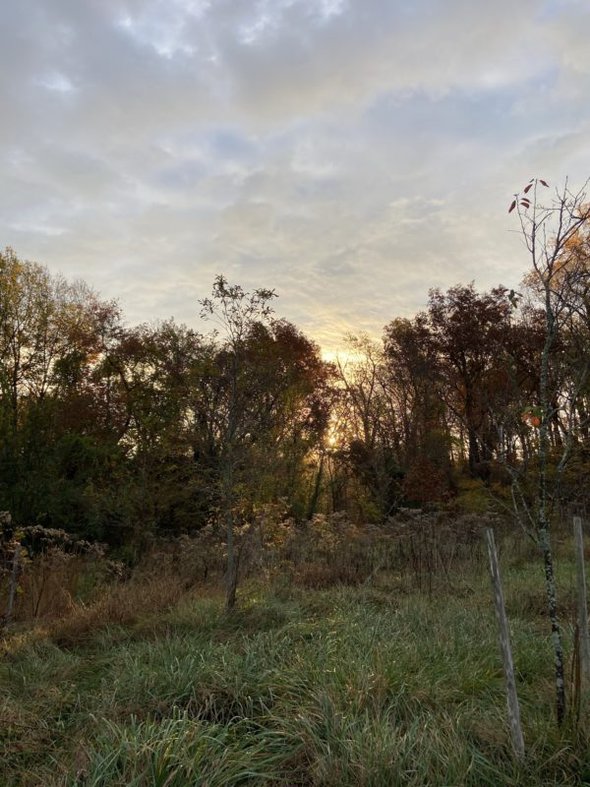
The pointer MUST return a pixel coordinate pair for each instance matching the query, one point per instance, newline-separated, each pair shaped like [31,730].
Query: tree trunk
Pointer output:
[473,443]
[542,514]
[231,572]
[13,585]
[231,578]
[313,503]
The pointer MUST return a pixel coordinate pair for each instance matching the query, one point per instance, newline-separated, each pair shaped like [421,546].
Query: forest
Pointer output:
[124,434]
[228,484]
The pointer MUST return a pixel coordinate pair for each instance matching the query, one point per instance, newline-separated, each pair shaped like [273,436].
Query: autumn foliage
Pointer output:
[118,434]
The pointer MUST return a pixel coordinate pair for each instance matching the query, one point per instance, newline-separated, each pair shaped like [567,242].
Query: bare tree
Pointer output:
[560,279]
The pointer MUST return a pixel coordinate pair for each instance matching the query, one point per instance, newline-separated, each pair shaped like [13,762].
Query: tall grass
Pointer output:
[347,686]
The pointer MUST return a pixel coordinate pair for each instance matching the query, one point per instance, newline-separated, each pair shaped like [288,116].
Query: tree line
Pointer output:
[119,434]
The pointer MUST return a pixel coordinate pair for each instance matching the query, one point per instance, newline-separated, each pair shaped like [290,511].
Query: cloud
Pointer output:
[350,153]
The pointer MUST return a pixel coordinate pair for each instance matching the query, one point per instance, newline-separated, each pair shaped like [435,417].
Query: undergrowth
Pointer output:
[347,686]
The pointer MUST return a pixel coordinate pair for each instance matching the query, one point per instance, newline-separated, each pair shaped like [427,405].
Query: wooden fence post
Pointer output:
[584,641]
[511,695]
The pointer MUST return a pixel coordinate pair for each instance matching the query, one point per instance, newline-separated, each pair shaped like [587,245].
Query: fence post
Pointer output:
[511,695]
[584,641]
[12,586]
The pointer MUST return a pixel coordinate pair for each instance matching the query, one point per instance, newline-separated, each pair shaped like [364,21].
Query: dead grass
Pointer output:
[124,604]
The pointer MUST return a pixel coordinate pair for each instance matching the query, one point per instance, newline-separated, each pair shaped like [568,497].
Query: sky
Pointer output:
[350,154]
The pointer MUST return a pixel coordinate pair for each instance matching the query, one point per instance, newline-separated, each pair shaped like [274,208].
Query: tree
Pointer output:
[413,384]
[153,369]
[52,337]
[291,397]
[236,312]
[469,331]
[368,429]
[560,280]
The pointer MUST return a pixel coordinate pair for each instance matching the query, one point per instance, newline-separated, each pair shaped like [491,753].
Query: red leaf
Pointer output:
[544,182]
[528,188]
[511,208]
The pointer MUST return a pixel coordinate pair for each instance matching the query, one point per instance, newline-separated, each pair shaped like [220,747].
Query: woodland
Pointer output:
[226,560]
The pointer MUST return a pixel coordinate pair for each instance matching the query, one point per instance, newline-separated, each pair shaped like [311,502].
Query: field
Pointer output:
[377,684]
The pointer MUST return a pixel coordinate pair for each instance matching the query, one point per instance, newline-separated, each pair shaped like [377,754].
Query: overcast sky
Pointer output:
[349,153]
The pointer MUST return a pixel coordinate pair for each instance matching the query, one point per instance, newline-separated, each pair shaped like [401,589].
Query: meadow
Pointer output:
[380,682]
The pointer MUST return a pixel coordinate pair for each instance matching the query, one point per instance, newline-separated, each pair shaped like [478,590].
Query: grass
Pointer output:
[347,686]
